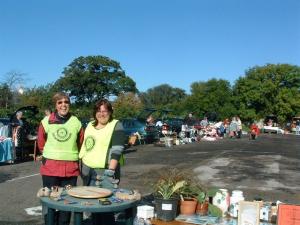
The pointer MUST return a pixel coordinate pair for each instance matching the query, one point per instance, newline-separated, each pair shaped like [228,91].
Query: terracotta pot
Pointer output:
[188,206]
[202,208]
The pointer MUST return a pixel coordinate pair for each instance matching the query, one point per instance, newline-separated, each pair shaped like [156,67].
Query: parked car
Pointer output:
[175,124]
[149,133]
[4,121]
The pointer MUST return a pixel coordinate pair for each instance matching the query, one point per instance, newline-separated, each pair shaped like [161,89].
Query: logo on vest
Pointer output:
[89,143]
[61,135]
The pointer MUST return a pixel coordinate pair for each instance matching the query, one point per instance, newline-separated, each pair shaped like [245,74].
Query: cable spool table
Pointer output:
[79,205]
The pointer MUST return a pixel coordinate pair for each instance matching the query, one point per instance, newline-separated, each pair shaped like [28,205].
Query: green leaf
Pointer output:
[214,210]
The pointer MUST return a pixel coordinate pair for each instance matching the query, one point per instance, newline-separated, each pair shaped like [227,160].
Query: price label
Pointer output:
[166,207]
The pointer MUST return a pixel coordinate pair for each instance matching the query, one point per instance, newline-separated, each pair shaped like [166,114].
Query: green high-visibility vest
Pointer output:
[61,141]
[94,151]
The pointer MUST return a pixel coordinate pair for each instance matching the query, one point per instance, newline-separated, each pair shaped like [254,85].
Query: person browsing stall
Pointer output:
[60,136]
[254,131]
[18,134]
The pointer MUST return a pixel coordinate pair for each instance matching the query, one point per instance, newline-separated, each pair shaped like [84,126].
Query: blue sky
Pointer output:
[177,42]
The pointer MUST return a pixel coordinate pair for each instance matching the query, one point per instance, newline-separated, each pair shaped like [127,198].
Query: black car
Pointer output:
[175,124]
[4,121]
[148,133]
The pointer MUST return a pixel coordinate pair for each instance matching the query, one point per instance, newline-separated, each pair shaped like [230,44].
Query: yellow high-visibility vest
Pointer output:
[94,151]
[61,141]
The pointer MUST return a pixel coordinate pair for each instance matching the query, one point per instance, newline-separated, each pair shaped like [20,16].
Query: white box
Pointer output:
[145,211]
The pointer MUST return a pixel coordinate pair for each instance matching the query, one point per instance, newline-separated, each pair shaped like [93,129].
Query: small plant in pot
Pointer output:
[166,194]
[195,191]
[188,198]
[202,206]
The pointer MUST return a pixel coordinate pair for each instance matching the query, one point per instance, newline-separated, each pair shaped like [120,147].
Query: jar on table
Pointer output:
[235,198]
[273,212]
[221,200]
[265,212]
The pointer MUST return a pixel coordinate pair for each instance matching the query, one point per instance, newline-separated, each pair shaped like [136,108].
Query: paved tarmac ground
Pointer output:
[268,167]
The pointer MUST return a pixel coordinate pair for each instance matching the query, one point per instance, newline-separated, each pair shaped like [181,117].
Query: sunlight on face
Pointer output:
[62,106]
[103,115]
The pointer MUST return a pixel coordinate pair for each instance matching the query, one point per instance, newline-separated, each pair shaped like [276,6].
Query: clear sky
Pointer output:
[177,42]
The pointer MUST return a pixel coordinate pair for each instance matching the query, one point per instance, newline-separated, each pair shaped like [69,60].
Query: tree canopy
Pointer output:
[127,105]
[263,90]
[271,89]
[90,78]
[213,96]
[162,96]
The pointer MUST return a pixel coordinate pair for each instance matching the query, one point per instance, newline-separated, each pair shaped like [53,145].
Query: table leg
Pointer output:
[34,151]
[129,216]
[78,217]
[50,216]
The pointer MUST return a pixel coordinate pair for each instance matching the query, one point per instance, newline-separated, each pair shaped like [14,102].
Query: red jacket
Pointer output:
[254,129]
[59,168]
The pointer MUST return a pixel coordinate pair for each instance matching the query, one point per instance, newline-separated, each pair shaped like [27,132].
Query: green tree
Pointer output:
[12,87]
[213,96]
[127,105]
[6,96]
[39,96]
[15,80]
[162,96]
[90,78]
[270,89]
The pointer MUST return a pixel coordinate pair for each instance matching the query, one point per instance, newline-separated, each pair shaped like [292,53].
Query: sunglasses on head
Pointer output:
[61,102]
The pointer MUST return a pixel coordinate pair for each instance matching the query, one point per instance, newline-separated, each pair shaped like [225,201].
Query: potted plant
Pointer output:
[188,200]
[166,194]
[202,205]
[195,191]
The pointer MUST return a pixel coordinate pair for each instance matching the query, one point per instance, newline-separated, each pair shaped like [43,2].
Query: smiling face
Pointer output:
[62,106]
[103,115]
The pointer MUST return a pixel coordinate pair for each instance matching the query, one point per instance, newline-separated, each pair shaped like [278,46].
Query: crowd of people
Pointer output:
[213,131]
[195,130]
